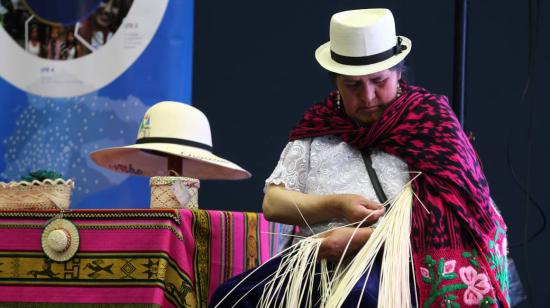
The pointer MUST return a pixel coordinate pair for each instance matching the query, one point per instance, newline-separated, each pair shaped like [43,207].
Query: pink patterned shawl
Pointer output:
[459,247]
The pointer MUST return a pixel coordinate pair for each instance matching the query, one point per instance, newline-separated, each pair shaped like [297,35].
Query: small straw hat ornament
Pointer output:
[362,42]
[171,128]
[60,239]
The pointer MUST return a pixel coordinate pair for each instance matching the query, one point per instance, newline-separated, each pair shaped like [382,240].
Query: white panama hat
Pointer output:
[171,128]
[362,42]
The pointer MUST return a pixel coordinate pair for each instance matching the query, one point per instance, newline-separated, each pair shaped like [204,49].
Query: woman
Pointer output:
[33,45]
[69,48]
[457,236]
[55,44]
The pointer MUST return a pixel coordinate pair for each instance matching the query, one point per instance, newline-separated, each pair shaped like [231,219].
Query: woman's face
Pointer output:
[366,97]
[107,13]
[54,34]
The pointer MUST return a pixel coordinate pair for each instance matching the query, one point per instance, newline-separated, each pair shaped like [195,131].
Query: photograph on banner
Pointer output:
[64,56]
[53,40]
[78,92]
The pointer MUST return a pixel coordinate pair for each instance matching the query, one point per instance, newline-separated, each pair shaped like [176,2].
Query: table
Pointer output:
[137,258]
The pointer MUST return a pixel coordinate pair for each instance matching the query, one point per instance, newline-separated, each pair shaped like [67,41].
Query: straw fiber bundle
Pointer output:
[292,285]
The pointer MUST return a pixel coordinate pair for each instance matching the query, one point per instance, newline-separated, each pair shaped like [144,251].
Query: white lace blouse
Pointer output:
[327,165]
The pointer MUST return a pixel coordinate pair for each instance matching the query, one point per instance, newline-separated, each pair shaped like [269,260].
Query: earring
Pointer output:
[338,100]
[399,91]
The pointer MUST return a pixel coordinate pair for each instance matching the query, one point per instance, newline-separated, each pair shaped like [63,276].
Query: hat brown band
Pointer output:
[175,141]
[366,60]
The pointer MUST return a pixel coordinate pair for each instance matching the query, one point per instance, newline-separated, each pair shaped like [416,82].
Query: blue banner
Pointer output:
[80,79]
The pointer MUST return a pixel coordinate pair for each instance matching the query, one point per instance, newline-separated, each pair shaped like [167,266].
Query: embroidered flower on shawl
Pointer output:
[478,285]
[449,267]
[424,272]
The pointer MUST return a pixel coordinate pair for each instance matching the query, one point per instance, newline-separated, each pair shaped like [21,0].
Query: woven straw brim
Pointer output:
[197,163]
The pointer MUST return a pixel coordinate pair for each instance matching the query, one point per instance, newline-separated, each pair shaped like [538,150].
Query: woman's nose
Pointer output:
[367,94]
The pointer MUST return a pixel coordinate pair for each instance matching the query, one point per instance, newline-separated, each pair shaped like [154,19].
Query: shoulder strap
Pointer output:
[373,177]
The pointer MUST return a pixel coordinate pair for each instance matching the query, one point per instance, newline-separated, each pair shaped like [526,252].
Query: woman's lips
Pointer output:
[369,109]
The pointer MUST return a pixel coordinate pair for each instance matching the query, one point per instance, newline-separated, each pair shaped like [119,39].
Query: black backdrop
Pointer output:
[255,74]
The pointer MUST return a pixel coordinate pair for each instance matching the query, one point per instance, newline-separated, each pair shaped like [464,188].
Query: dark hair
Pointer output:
[401,66]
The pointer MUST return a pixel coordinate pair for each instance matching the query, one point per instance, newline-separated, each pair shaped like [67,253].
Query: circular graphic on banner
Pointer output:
[78,50]
[72,12]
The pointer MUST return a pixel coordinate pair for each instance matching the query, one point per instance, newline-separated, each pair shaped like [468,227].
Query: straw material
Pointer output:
[293,282]
[174,192]
[60,239]
[393,234]
[36,195]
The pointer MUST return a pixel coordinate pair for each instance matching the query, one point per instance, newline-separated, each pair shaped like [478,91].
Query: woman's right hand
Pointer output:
[355,208]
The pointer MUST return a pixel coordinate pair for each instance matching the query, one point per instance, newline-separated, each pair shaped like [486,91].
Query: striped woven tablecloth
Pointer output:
[138,258]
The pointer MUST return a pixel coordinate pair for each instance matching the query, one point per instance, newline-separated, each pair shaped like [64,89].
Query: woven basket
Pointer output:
[36,195]
[165,188]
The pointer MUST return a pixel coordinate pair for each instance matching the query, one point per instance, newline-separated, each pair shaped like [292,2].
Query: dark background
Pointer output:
[255,74]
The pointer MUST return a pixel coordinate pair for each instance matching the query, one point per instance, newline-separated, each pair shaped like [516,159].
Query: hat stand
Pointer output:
[175,164]
[173,190]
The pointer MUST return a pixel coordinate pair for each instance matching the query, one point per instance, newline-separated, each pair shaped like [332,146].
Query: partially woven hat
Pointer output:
[60,239]
[36,195]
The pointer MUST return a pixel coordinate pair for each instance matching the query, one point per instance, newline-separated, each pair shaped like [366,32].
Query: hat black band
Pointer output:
[174,141]
[366,60]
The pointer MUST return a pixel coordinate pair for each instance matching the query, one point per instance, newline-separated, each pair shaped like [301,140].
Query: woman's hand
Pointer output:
[335,242]
[355,208]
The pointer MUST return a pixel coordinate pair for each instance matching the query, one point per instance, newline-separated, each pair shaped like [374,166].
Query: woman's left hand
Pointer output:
[335,241]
